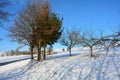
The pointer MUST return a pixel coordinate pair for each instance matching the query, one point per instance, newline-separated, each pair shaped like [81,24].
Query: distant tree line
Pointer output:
[15,52]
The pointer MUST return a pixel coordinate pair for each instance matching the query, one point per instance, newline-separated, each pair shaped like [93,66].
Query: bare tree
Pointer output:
[70,38]
[3,14]
[117,36]
[88,39]
[111,41]
[23,30]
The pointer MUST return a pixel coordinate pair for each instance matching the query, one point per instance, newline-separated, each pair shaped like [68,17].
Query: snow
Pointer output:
[61,66]
[13,58]
[1,52]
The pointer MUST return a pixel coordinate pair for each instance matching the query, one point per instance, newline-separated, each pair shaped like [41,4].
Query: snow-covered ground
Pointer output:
[13,58]
[63,67]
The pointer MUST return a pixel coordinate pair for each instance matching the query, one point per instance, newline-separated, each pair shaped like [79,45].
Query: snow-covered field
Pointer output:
[13,58]
[63,67]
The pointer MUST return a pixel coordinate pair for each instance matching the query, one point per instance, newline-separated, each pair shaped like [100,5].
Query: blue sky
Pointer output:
[86,14]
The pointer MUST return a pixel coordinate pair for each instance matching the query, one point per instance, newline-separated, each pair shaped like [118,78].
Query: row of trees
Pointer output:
[36,26]
[75,37]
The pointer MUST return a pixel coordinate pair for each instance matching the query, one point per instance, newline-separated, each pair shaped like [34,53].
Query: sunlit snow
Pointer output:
[61,66]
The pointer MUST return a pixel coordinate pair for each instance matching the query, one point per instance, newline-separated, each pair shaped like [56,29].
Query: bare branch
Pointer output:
[70,38]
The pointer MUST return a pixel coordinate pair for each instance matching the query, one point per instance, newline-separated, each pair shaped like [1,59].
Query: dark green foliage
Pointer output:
[36,26]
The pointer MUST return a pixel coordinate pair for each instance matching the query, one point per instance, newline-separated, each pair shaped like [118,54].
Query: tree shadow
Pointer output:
[97,66]
[81,71]
[87,77]
[116,65]
[13,73]
[101,63]
[60,55]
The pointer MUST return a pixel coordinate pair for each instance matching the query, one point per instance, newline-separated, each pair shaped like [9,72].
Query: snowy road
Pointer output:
[8,62]
[12,59]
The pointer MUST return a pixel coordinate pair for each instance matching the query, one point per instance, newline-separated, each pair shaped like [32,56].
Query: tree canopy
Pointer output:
[37,26]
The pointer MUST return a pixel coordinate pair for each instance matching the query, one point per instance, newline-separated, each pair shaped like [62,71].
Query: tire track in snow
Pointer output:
[69,70]
[63,69]
[56,69]
[20,72]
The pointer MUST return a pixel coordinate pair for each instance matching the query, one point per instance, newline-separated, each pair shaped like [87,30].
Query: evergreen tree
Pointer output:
[36,26]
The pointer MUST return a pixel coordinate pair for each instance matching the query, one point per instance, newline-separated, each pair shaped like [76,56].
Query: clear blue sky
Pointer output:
[93,14]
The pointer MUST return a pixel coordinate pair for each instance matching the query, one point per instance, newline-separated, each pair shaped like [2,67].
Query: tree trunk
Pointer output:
[70,52]
[44,57]
[39,51]
[31,52]
[50,50]
[91,51]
